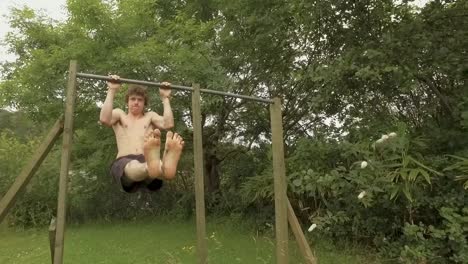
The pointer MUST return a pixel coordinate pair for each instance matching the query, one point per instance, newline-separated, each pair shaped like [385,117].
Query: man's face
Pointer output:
[136,104]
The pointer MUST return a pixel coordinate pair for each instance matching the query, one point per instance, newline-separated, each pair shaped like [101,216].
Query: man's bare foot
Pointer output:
[172,152]
[151,149]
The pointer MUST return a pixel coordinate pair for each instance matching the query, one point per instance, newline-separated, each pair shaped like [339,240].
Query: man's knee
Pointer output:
[136,170]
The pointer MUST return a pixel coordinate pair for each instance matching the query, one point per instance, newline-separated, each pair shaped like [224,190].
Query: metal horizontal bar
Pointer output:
[123,80]
[258,99]
[177,87]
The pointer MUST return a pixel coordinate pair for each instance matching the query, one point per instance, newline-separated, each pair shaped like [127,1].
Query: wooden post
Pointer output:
[52,229]
[202,251]
[65,163]
[300,237]
[28,171]
[279,173]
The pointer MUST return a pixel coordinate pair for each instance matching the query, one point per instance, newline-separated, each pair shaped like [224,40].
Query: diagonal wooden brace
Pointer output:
[8,200]
[300,237]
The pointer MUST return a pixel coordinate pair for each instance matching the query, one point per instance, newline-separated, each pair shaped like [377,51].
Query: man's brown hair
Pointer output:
[135,89]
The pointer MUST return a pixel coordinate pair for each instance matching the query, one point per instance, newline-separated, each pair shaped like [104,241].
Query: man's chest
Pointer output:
[136,127]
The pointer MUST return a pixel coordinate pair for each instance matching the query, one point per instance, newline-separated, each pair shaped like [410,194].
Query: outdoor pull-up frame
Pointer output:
[283,209]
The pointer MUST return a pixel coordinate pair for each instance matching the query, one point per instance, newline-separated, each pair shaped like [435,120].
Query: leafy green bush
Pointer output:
[444,243]
[382,193]
[38,204]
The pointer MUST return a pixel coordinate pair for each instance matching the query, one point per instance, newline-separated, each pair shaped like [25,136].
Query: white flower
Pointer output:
[361,195]
[312,227]
[393,134]
[379,141]
[231,33]
[384,137]
[363,164]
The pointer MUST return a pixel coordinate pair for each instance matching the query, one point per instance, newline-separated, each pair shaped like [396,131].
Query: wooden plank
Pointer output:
[18,186]
[52,229]
[300,237]
[279,174]
[65,162]
[202,250]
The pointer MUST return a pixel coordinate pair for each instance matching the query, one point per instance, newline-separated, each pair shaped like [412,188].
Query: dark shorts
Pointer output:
[118,173]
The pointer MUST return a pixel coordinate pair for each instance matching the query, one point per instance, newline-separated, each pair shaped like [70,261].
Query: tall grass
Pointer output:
[158,242]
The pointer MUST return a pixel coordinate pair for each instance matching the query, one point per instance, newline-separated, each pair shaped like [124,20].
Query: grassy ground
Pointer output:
[158,242]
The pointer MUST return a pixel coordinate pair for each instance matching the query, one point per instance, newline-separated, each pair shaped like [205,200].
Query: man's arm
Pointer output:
[166,121]
[108,115]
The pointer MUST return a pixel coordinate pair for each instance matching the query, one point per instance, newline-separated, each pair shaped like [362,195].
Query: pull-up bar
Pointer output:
[178,87]
[283,209]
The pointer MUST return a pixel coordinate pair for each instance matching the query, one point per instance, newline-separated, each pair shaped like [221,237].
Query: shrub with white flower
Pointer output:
[361,195]
[312,227]
[386,137]
[363,164]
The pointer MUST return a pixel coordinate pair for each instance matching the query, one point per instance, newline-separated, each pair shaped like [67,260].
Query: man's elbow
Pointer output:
[168,125]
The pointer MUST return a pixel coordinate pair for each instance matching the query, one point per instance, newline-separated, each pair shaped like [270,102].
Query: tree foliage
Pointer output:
[347,72]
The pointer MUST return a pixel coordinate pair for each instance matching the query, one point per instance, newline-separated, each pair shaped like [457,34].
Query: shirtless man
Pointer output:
[138,164]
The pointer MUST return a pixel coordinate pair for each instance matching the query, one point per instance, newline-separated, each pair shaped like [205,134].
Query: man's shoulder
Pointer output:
[118,110]
[151,114]
[120,117]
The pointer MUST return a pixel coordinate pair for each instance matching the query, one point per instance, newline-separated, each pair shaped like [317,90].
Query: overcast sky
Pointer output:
[54,9]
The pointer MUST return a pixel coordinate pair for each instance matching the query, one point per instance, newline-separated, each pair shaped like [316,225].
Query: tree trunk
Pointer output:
[212,177]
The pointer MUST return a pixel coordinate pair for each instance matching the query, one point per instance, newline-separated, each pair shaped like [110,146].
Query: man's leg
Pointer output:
[135,174]
[172,153]
[151,150]
[136,171]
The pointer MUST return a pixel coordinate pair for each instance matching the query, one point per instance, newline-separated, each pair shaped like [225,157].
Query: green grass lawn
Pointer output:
[158,242]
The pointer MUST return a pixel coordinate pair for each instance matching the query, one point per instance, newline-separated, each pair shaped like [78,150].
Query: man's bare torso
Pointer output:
[130,133]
